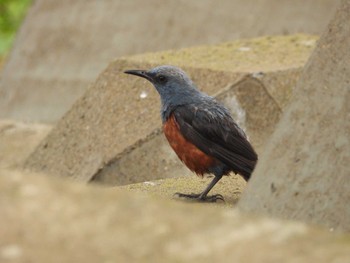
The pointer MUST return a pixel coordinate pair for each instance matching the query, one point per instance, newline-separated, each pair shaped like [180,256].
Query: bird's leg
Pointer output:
[203,196]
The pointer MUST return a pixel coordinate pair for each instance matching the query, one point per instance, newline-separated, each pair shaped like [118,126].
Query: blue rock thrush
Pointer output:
[199,129]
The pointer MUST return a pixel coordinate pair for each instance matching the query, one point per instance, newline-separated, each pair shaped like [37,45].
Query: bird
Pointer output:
[199,129]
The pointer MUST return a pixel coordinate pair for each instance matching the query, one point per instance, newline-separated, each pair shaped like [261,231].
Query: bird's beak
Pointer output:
[140,73]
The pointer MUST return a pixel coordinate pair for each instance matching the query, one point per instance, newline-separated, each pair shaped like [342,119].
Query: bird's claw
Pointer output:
[201,198]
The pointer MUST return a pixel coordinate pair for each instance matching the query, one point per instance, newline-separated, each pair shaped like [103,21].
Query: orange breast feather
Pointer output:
[196,160]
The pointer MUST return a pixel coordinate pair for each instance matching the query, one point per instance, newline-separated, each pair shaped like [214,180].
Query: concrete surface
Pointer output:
[18,140]
[45,219]
[64,45]
[304,171]
[230,187]
[112,118]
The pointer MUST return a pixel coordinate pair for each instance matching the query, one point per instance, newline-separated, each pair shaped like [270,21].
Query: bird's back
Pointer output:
[209,126]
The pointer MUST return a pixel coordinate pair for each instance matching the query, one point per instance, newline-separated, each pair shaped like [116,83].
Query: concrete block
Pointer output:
[64,45]
[303,172]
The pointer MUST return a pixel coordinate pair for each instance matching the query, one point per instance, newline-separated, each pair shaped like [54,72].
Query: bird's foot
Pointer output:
[201,197]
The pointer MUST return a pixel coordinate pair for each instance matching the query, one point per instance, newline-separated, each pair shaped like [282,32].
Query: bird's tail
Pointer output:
[238,163]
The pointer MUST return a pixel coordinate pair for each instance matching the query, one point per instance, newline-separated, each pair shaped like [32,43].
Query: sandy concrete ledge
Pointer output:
[45,219]
[230,187]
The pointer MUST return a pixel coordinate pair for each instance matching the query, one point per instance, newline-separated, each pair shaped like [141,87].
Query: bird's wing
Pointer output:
[215,133]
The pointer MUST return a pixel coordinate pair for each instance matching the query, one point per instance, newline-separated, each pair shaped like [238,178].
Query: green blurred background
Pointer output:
[12,13]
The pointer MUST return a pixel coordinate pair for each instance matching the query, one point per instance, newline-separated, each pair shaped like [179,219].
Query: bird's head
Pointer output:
[172,83]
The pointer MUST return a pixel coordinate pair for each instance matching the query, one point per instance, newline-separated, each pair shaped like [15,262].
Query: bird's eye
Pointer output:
[162,78]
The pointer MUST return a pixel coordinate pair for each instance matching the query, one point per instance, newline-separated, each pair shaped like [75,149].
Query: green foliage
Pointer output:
[11,15]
